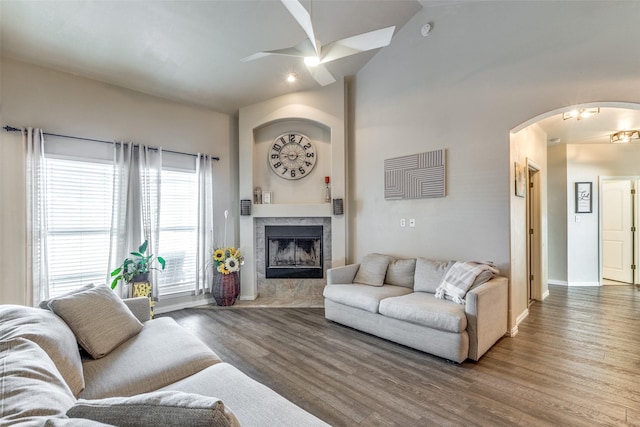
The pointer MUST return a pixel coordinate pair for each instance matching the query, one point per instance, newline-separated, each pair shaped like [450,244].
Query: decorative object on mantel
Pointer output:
[327,189]
[245,207]
[416,176]
[338,207]
[257,196]
[226,283]
[267,197]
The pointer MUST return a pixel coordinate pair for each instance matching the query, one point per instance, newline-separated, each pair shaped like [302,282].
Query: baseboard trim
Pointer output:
[514,331]
[584,284]
[558,282]
[545,295]
[179,306]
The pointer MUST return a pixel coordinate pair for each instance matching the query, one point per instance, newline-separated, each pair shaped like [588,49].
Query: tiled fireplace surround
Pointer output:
[290,291]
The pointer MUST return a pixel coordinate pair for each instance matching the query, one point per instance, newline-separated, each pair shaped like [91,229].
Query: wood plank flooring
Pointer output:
[574,362]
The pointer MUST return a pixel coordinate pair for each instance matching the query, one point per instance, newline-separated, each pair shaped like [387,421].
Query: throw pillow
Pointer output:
[429,274]
[32,389]
[373,269]
[165,408]
[98,318]
[45,304]
[401,272]
[51,334]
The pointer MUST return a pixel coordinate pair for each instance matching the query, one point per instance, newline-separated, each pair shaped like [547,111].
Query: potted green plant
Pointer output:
[136,268]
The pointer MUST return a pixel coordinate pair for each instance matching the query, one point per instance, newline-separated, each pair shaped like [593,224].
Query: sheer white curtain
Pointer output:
[149,162]
[121,240]
[136,204]
[36,197]
[204,262]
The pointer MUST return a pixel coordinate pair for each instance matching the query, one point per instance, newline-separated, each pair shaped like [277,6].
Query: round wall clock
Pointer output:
[292,155]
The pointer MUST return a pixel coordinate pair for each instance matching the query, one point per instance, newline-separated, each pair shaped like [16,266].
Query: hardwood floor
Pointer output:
[575,361]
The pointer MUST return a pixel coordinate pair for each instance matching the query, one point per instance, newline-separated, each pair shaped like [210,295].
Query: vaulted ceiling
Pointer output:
[189,51]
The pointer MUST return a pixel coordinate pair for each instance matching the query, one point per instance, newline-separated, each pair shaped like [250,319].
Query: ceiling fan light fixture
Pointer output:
[311,61]
[580,114]
[625,136]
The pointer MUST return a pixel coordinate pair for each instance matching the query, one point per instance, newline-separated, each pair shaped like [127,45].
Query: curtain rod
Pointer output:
[14,129]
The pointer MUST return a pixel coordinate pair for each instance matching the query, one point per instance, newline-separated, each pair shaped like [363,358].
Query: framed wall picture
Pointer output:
[584,201]
[521,180]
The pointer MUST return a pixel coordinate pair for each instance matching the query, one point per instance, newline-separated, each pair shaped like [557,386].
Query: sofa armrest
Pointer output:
[487,310]
[342,275]
[140,307]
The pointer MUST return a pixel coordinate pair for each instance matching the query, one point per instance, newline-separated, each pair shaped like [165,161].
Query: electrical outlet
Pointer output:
[402,222]
[412,222]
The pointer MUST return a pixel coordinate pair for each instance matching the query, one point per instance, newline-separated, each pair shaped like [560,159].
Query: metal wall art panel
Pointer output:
[417,176]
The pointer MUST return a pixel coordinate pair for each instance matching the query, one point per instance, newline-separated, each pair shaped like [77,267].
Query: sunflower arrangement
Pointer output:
[228,260]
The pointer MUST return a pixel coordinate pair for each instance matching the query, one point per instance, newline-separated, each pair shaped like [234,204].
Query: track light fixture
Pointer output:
[625,136]
[580,114]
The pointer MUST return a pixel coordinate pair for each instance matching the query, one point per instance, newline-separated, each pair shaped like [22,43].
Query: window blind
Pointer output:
[178,231]
[79,198]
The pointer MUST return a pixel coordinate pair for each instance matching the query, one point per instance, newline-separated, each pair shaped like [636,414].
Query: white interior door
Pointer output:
[617,237]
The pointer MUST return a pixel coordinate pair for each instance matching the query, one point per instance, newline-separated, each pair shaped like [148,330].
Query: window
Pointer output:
[79,197]
[79,200]
[177,242]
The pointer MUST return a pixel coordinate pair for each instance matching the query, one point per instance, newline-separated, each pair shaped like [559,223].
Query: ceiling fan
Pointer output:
[315,55]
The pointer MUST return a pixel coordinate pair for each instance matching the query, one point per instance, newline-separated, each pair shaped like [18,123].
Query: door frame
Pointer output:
[635,203]
[534,240]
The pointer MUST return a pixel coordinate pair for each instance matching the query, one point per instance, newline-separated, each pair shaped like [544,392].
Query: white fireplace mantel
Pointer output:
[291,210]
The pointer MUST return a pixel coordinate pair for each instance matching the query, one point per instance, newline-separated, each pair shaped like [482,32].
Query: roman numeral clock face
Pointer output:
[292,156]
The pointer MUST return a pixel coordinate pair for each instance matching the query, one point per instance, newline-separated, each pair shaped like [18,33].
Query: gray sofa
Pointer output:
[396,299]
[131,370]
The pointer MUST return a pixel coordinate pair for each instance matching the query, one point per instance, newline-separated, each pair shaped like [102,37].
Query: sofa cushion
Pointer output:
[429,274]
[401,272]
[425,309]
[98,318]
[253,403]
[50,333]
[160,408]
[31,387]
[373,269]
[363,297]
[162,353]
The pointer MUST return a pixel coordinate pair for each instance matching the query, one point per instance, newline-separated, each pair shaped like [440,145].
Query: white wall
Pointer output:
[588,163]
[486,68]
[558,213]
[66,104]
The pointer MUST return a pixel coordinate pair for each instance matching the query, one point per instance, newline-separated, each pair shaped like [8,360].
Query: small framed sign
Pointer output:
[584,201]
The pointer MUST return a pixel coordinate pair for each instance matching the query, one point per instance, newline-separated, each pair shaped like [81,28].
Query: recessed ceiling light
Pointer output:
[291,77]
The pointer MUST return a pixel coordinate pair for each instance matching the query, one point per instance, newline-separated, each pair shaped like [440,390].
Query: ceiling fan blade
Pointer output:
[302,50]
[356,44]
[303,17]
[321,75]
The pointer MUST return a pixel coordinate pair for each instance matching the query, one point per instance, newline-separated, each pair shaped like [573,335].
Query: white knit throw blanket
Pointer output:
[457,281]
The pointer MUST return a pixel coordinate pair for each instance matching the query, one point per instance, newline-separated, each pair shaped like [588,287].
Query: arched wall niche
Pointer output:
[308,189]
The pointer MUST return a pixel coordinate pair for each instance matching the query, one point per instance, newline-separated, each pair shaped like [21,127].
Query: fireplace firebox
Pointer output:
[293,251]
